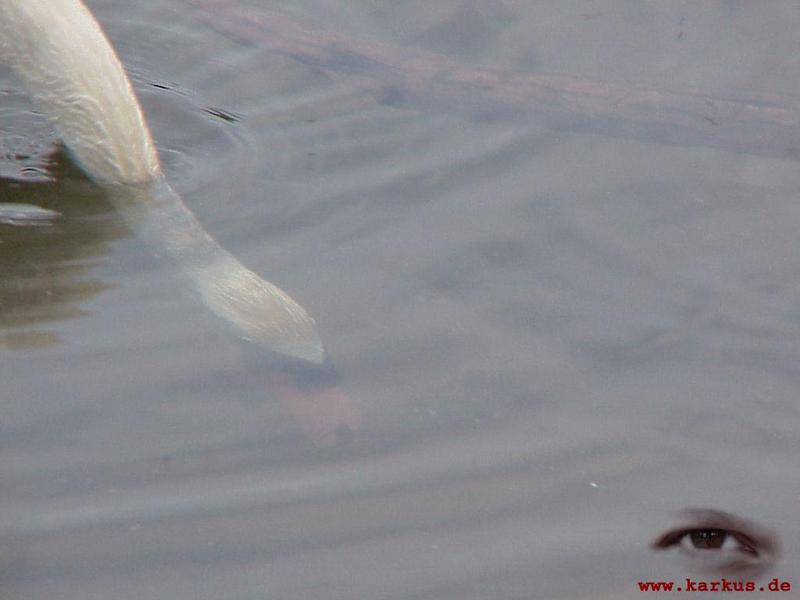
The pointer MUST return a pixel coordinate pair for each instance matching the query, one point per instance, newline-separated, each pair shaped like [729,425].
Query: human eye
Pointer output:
[716,541]
[709,538]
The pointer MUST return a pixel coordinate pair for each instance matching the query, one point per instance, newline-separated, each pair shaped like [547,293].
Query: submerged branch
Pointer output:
[761,125]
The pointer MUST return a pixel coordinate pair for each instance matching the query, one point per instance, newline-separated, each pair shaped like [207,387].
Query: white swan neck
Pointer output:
[59,52]
[63,58]
[259,310]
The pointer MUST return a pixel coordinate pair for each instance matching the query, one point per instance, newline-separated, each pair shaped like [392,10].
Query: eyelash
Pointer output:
[696,536]
[731,543]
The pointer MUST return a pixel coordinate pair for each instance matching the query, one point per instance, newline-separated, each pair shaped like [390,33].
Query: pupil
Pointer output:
[707,538]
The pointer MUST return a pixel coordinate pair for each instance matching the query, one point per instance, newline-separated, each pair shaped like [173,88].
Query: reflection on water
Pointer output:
[559,339]
[46,271]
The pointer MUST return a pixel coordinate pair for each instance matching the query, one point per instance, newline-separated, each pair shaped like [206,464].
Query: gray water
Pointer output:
[558,338]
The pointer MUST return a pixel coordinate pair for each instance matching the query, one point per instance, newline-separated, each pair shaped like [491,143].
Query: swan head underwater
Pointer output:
[67,65]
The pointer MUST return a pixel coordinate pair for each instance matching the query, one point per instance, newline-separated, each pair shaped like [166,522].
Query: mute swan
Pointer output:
[58,51]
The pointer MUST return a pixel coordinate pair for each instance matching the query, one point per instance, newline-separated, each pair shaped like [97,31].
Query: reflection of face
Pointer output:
[719,542]
[609,475]
[731,460]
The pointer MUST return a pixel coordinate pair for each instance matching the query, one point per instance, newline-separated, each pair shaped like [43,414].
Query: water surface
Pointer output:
[559,334]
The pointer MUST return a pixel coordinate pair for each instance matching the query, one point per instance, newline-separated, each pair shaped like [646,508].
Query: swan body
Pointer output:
[69,68]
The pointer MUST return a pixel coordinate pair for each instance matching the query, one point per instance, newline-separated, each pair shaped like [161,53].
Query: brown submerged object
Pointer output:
[750,124]
[60,54]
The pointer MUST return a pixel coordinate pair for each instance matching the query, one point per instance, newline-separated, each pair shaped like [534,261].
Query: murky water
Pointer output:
[562,326]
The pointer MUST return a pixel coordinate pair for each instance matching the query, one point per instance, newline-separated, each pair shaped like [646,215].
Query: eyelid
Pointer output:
[758,547]
[674,537]
[701,518]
